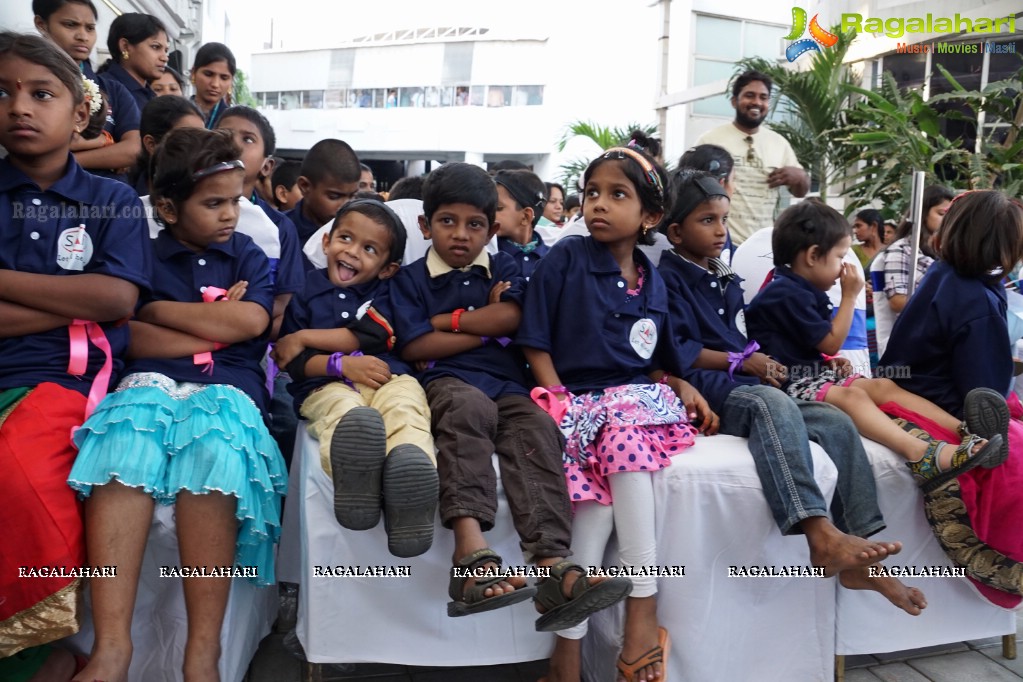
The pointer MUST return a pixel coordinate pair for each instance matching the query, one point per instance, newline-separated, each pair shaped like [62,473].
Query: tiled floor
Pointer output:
[977,661]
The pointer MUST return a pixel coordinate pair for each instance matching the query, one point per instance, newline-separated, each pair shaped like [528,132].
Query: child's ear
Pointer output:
[675,233]
[268,167]
[494,227]
[389,271]
[167,210]
[81,117]
[424,227]
[40,24]
[280,194]
[326,238]
[652,220]
[149,143]
[304,185]
[811,255]
[527,215]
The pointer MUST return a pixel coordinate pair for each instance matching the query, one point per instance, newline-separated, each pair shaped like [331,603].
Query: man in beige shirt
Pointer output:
[764,160]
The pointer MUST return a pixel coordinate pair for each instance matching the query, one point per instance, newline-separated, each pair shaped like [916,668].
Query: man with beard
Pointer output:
[764,160]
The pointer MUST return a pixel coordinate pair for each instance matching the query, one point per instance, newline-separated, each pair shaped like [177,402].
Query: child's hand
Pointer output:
[287,348]
[366,369]
[497,290]
[237,291]
[765,368]
[851,280]
[697,409]
[841,365]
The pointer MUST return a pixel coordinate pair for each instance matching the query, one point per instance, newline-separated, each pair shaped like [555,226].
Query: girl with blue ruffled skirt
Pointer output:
[186,425]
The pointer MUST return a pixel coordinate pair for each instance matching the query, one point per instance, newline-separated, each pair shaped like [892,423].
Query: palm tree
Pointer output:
[602,136]
[812,103]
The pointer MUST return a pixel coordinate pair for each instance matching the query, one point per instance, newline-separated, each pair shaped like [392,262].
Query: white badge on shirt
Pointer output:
[74,248]
[643,338]
[740,322]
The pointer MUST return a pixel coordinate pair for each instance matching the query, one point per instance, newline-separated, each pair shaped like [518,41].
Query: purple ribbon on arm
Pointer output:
[735,360]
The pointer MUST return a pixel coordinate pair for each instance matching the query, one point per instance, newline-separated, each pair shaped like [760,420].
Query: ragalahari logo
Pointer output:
[818,36]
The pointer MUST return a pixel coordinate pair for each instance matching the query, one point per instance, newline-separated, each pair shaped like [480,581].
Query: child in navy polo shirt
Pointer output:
[792,319]
[953,339]
[369,414]
[708,328]
[454,309]
[73,257]
[596,333]
[521,198]
[329,180]
[186,424]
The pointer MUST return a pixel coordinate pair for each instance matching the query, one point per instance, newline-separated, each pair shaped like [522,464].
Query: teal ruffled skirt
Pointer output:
[164,436]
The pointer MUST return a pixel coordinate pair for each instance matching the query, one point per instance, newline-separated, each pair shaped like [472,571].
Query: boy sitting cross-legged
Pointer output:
[454,310]
[369,414]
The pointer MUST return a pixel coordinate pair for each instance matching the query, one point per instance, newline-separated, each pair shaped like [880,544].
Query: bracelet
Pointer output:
[735,360]
[335,367]
[456,318]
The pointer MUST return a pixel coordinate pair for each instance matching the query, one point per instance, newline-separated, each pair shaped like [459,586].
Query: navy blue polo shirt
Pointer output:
[124,113]
[953,337]
[416,297]
[82,224]
[321,305]
[179,274]
[305,229]
[578,310]
[214,116]
[288,272]
[141,93]
[527,261]
[789,318]
[705,312]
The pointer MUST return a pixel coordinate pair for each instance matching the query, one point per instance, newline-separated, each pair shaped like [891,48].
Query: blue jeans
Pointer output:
[779,430]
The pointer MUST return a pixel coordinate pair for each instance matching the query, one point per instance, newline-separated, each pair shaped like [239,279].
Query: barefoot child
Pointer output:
[792,319]
[594,328]
[706,306]
[73,256]
[363,405]
[454,310]
[186,424]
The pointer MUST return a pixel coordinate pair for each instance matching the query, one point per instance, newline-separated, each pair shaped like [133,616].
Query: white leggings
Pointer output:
[632,514]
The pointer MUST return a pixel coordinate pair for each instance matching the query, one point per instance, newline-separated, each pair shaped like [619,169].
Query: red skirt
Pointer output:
[41,517]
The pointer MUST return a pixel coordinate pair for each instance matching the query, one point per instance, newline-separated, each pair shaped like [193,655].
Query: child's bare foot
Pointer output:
[565,663]
[909,599]
[837,551]
[109,662]
[202,663]
[642,636]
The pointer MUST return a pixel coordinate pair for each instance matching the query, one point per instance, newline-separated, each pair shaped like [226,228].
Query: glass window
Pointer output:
[432,96]
[411,97]
[461,96]
[965,68]
[334,99]
[717,37]
[1004,65]
[704,72]
[499,96]
[447,97]
[312,99]
[361,98]
[527,95]
[476,95]
[379,98]
[457,63]
[271,100]
[764,41]
[291,99]
[906,68]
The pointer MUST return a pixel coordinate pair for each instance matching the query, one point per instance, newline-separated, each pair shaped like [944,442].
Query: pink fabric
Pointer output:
[80,333]
[210,294]
[992,496]
[823,392]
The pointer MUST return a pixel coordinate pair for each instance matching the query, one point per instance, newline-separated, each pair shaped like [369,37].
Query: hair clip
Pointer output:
[635,145]
[652,176]
[713,165]
[217,168]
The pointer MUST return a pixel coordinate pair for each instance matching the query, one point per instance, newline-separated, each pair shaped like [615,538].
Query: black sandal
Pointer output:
[987,415]
[561,612]
[467,601]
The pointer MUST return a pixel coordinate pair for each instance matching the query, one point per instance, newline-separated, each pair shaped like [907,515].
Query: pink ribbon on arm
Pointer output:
[549,403]
[210,295]
[80,332]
